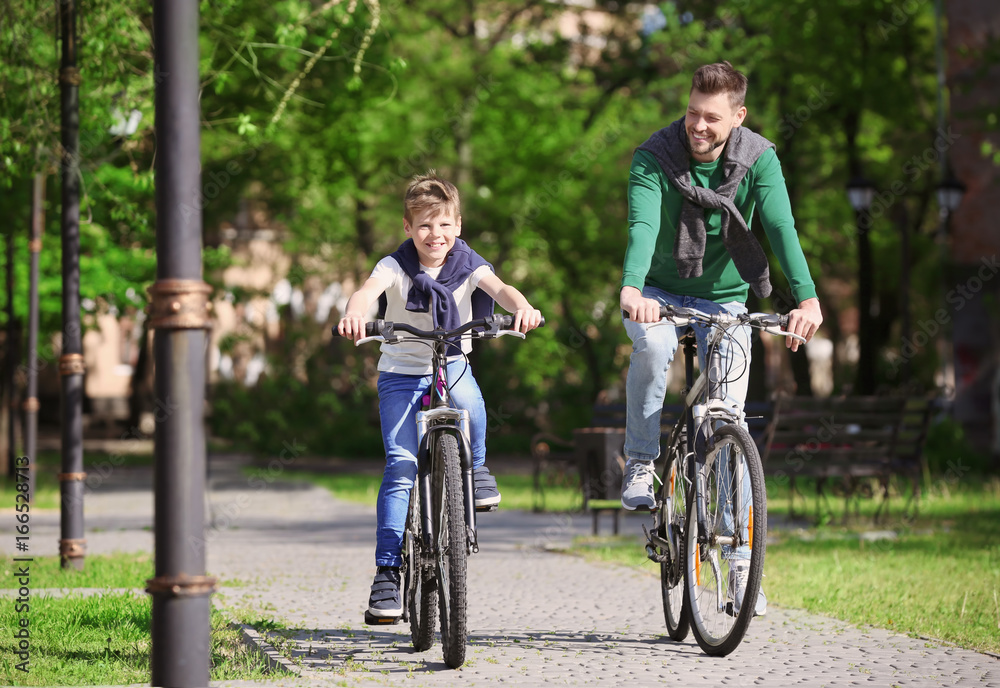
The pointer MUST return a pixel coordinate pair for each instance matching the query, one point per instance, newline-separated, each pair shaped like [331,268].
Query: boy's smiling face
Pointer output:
[433,232]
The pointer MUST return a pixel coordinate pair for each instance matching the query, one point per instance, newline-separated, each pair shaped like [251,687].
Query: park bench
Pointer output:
[848,444]
[596,454]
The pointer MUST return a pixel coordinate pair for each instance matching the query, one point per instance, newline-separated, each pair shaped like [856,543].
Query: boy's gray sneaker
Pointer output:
[637,485]
[739,574]
[486,490]
[385,600]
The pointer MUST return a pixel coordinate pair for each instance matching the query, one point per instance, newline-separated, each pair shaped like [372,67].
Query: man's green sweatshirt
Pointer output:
[654,212]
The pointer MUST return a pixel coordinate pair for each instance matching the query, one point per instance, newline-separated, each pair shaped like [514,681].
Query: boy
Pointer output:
[433,280]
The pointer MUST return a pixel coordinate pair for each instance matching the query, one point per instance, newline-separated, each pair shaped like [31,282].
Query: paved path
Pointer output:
[535,616]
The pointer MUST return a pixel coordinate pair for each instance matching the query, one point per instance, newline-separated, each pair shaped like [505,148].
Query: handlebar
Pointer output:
[772,323]
[493,326]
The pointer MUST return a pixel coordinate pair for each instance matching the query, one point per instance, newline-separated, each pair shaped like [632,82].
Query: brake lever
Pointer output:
[775,330]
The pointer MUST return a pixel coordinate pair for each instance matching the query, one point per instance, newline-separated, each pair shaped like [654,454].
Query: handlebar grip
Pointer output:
[371,329]
[507,321]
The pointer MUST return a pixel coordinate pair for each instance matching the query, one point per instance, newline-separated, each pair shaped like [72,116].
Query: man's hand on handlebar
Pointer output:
[639,308]
[803,321]
[352,327]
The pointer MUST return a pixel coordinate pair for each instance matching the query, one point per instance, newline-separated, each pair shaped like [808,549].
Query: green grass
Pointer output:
[939,577]
[517,490]
[104,640]
[98,639]
[47,467]
[99,571]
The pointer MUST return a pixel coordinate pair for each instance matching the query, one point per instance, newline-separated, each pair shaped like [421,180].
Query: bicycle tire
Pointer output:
[419,579]
[718,627]
[672,515]
[452,549]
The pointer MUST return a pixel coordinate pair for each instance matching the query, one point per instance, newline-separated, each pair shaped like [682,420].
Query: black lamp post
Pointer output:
[860,194]
[949,196]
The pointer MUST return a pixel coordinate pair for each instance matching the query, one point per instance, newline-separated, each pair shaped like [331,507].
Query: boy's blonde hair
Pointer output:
[430,192]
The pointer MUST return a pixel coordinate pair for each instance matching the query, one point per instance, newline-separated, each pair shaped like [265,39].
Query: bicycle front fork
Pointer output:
[431,422]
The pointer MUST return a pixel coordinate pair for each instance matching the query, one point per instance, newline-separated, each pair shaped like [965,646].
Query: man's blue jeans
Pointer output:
[653,349]
[399,399]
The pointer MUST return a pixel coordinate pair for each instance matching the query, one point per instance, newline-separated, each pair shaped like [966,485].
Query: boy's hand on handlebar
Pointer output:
[352,327]
[526,319]
[803,321]
[639,308]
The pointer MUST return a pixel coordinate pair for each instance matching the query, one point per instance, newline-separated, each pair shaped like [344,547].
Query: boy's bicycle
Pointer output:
[440,528]
[711,504]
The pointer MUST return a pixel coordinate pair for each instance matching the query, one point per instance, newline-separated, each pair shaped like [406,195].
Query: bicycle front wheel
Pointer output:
[726,524]
[419,579]
[671,516]
[452,549]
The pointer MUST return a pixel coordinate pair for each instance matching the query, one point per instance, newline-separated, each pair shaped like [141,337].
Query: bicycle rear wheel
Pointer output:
[419,579]
[452,549]
[734,527]
[671,516]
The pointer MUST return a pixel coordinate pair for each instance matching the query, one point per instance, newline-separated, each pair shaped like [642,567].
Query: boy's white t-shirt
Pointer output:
[414,358]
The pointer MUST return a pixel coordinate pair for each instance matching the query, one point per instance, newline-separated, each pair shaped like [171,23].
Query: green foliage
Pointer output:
[315,116]
[281,411]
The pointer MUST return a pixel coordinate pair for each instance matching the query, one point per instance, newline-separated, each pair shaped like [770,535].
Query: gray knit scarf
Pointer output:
[670,148]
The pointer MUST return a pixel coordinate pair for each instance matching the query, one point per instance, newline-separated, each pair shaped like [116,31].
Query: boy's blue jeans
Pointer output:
[399,398]
[653,350]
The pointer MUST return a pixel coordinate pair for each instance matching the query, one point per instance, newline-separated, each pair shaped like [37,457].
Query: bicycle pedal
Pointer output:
[486,509]
[372,620]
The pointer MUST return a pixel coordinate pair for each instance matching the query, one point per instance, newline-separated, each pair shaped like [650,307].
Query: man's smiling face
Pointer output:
[709,121]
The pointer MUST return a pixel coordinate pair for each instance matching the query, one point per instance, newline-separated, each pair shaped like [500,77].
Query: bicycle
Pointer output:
[711,499]
[440,531]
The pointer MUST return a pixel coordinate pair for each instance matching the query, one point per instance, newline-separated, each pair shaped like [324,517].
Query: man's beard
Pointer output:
[714,146]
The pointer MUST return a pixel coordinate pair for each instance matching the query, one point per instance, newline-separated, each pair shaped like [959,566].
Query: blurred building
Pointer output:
[973,294]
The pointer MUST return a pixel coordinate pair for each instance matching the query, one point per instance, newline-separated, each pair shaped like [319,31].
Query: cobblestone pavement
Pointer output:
[292,552]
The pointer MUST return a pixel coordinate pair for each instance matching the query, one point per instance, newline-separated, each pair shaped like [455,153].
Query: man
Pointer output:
[693,189]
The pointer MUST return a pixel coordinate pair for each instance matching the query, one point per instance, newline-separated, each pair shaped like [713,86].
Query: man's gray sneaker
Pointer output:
[637,485]
[739,574]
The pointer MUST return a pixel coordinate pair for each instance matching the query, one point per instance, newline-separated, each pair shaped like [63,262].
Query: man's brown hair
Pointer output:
[428,191]
[721,77]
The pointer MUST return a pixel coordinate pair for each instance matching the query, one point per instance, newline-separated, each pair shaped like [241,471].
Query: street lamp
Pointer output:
[949,196]
[860,193]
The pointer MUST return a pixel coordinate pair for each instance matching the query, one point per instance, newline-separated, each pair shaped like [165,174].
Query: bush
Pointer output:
[948,451]
[283,409]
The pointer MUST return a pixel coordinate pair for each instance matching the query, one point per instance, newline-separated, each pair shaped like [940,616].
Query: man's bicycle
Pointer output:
[440,530]
[711,507]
